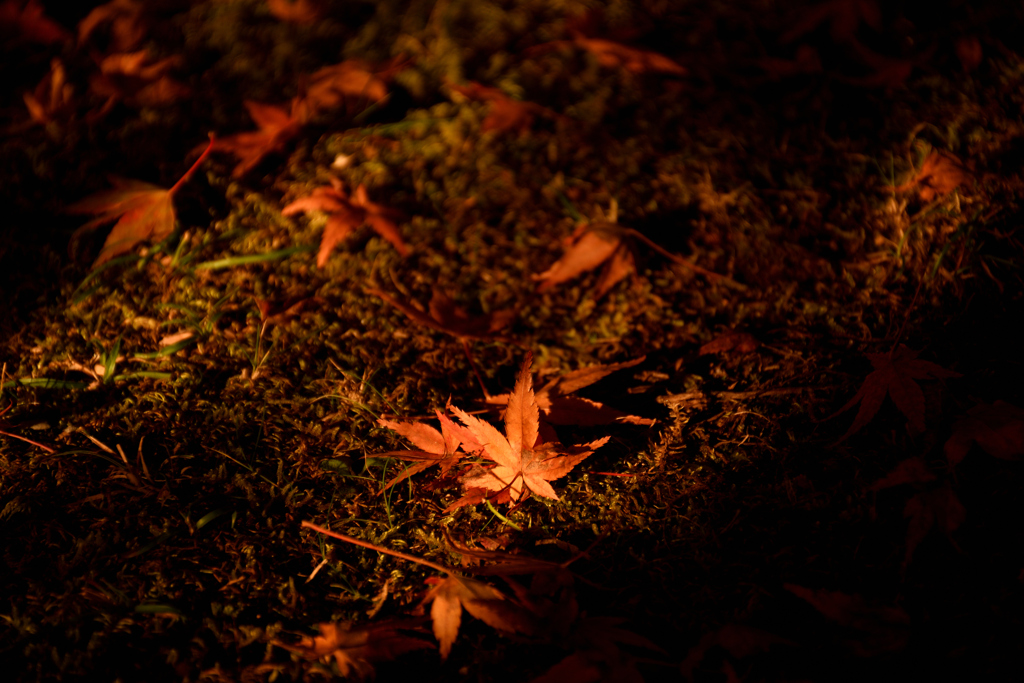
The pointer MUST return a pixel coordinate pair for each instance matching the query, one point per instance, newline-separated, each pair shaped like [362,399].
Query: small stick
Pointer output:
[379,549]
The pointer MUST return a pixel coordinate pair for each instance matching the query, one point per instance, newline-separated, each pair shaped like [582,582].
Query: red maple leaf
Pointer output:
[142,211]
[998,428]
[345,214]
[894,374]
[276,127]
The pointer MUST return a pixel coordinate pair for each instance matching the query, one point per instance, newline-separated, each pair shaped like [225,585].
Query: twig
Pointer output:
[686,263]
[379,549]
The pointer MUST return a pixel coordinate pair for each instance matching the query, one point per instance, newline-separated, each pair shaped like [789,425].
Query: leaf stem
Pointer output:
[502,517]
[188,174]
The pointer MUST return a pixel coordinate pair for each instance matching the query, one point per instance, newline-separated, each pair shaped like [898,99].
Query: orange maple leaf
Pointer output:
[522,465]
[591,245]
[345,214]
[454,593]
[894,374]
[940,174]
[356,648]
[276,127]
[559,407]
[434,447]
[142,211]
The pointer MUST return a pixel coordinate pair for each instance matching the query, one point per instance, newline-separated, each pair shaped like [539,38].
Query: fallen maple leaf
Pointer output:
[910,471]
[138,81]
[51,99]
[444,316]
[345,214]
[127,24]
[276,127]
[454,593]
[997,428]
[591,245]
[356,648]
[940,174]
[297,11]
[939,508]
[843,18]
[142,211]
[560,408]
[894,373]
[736,342]
[348,83]
[434,447]
[505,114]
[451,595]
[27,22]
[739,640]
[522,465]
[879,629]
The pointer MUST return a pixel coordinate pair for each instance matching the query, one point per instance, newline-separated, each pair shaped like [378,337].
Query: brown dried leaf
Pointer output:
[940,174]
[590,246]
[894,374]
[730,341]
[276,127]
[355,649]
[445,316]
[997,428]
[142,211]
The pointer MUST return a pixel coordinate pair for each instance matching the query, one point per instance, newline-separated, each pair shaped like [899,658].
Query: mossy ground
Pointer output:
[160,539]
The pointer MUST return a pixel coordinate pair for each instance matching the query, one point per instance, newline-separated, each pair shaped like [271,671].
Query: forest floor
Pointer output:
[774,250]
